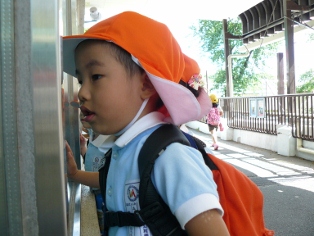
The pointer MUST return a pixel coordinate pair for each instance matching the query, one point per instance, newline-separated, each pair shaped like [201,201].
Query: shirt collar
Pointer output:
[146,122]
[100,140]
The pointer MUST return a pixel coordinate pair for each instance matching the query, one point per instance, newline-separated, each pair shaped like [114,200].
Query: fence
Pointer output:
[265,114]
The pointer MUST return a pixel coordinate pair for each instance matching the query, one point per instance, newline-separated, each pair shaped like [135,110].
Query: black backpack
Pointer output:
[243,214]
[154,212]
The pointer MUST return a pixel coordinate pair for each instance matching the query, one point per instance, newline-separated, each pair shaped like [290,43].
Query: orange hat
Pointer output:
[152,47]
[191,68]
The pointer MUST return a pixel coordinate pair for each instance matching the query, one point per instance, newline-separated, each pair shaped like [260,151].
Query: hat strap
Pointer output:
[134,119]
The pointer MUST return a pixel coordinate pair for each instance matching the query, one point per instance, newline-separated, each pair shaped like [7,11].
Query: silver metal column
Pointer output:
[10,192]
[72,11]
[32,171]
[49,144]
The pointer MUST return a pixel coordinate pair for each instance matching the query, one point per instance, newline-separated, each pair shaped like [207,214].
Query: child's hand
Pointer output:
[88,178]
[83,143]
[83,140]
[71,164]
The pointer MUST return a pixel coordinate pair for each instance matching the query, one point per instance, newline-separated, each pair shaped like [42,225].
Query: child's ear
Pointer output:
[148,88]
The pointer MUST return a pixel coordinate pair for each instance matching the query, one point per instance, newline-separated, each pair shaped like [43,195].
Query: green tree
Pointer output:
[244,70]
[306,82]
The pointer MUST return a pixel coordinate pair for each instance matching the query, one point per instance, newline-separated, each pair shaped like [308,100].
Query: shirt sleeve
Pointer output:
[185,182]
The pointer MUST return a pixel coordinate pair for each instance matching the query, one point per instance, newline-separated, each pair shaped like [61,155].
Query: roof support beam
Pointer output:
[289,38]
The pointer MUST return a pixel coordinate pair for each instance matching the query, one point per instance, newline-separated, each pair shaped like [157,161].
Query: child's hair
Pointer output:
[124,57]
[215,104]
[153,48]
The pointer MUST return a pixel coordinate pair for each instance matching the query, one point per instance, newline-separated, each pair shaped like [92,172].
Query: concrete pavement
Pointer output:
[286,182]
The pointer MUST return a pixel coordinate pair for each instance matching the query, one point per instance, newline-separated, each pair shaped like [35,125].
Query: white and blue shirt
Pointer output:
[180,176]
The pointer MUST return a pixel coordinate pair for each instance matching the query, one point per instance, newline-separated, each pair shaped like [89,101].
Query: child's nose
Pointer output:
[83,93]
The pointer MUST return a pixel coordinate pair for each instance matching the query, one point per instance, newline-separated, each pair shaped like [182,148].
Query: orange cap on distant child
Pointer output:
[153,48]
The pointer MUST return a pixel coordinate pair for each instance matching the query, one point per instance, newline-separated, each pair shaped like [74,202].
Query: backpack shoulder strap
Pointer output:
[155,213]
[156,143]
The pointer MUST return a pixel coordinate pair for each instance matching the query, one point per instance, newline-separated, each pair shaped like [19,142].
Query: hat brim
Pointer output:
[68,53]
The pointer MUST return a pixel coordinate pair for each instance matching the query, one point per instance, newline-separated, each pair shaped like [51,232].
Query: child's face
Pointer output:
[111,96]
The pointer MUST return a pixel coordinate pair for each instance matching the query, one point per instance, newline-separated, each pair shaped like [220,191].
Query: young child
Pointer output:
[93,157]
[129,67]
[213,119]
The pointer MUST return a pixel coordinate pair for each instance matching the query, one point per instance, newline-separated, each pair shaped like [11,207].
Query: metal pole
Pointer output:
[280,74]
[289,38]
[229,87]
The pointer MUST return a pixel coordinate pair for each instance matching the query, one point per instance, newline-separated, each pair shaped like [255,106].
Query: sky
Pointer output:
[165,10]
[180,27]
[304,50]
[190,44]
[184,35]
[178,15]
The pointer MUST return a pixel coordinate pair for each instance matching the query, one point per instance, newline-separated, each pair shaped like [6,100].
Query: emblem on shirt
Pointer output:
[132,193]
[98,162]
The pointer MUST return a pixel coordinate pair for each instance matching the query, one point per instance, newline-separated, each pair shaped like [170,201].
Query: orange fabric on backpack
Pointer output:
[243,210]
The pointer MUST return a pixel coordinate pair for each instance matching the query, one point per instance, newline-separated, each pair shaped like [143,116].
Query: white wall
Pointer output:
[283,143]
[255,139]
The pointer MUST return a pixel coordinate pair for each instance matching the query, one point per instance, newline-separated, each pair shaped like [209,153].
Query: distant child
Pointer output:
[86,133]
[93,155]
[213,119]
[129,67]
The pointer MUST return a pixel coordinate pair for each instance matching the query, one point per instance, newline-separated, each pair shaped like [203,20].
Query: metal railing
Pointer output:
[265,114]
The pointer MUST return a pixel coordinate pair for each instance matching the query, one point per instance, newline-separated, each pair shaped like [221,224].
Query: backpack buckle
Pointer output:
[151,212]
[112,219]
[120,219]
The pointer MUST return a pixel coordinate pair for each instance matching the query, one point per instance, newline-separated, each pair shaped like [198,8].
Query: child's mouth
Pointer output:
[88,115]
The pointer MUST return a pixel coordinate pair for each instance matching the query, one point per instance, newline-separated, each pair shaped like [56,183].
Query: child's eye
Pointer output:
[96,77]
